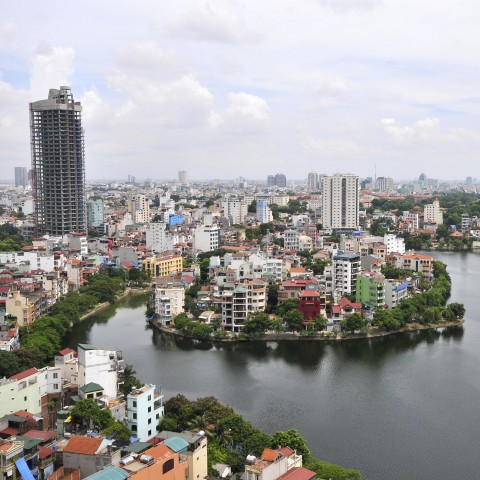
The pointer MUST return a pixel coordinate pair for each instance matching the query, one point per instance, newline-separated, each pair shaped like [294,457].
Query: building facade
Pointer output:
[341,201]
[58,164]
[21,177]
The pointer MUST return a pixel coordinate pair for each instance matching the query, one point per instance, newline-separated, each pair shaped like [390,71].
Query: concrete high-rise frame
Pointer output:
[58,164]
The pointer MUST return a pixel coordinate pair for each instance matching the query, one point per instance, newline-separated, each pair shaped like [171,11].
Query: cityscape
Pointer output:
[239,241]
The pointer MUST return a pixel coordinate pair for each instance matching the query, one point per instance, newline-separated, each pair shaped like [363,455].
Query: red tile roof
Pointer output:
[160,452]
[44,452]
[65,351]
[83,445]
[269,455]
[24,374]
[286,451]
[41,434]
[298,473]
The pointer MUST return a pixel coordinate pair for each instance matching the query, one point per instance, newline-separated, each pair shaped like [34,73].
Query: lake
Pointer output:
[397,407]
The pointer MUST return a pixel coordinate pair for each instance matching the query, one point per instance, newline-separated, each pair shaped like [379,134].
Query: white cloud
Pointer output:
[350,5]
[51,68]
[331,147]
[213,21]
[422,130]
[245,114]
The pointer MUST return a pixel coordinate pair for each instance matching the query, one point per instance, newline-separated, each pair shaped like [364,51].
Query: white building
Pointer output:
[341,201]
[290,239]
[394,244]
[395,292]
[312,182]
[432,213]
[235,210]
[264,214]
[159,239]
[207,235]
[346,267]
[169,301]
[99,365]
[144,411]
[140,209]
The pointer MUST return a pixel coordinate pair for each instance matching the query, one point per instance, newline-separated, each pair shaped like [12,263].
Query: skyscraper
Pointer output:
[340,201]
[312,181]
[58,164]
[183,177]
[21,178]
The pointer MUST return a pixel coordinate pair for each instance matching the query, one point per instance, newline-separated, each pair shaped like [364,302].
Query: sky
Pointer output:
[233,88]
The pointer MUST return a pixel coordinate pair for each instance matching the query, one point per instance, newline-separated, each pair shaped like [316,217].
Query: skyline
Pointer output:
[227,90]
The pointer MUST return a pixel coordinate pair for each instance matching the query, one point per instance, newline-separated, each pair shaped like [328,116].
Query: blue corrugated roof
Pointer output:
[110,473]
[177,444]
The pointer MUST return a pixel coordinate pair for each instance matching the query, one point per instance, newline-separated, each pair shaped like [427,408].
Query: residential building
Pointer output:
[207,235]
[346,267]
[235,210]
[370,290]
[58,164]
[139,207]
[312,182]
[159,239]
[144,411]
[21,177]
[10,452]
[384,184]
[340,201]
[95,213]
[193,450]
[395,292]
[394,244]
[291,239]
[271,180]
[90,455]
[163,266]
[20,391]
[272,464]
[310,303]
[101,366]
[418,263]
[183,177]
[280,180]
[264,214]
[245,299]
[169,300]
[433,213]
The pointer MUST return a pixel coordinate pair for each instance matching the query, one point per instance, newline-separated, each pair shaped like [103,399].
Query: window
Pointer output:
[55,375]
[134,405]
[149,398]
[149,421]
[158,416]
[25,399]
[55,386]
[168,465]
[149,433]
[149,409]
[134,428]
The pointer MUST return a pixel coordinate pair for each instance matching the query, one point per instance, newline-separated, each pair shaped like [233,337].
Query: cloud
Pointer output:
[343,6]
[422,130]
[150,60]
[211,21]
[245,114]
[332,147]
[51,68]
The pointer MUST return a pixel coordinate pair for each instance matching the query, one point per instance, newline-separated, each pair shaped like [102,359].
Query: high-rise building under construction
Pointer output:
[58,164]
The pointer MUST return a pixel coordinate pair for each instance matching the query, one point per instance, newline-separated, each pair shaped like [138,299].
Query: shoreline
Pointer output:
[272,337]
[101,306]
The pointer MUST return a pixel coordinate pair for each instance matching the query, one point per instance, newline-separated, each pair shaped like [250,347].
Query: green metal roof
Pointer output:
[110,473]
[176,444]
[137,447]
[28,443]
[91,387]
[87,346]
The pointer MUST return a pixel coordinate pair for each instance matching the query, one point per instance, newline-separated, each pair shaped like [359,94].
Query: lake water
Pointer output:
[399,407]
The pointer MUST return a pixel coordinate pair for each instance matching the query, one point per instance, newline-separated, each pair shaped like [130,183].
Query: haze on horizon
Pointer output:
[223,89]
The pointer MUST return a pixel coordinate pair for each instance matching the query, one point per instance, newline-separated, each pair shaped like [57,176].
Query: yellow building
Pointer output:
[163,266]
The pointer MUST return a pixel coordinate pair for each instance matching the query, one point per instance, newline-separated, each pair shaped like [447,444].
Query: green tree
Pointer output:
[294,320]
[9,364]
[86,412]
[128,380]
[321,322]
[257,324]
[291,438]
[290,304]
[352,322]
[118,431]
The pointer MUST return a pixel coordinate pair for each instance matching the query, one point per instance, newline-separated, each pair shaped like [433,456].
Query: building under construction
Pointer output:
[58,164]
